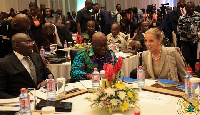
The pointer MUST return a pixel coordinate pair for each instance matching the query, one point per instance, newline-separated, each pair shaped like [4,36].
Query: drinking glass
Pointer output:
[60,87]
[31,94]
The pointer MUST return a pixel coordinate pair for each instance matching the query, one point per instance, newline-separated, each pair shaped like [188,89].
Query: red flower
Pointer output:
[109,72]
[118,65]
[79,39]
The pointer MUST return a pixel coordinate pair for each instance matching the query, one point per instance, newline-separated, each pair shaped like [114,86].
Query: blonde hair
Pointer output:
[155,31]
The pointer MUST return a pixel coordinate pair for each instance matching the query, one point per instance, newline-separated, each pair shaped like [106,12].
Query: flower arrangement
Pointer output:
[117,95]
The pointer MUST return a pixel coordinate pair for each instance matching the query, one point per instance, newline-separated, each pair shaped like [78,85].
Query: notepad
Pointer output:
[166,83]
[128,79]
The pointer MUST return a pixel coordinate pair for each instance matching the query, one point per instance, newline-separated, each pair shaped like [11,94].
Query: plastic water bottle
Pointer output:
[51,48]
[140,77]
[113,46]
[24,103]
[65,44]
[95,78]
[51,91]
[42,51]
[189,87]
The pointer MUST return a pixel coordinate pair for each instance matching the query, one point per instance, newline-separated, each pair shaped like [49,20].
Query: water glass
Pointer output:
[31,94]
[60,87]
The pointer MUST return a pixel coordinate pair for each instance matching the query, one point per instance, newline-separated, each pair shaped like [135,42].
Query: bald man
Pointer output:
[83,16]
[22,68]
[116,36]
[92,57]
[61,32]
[19,24]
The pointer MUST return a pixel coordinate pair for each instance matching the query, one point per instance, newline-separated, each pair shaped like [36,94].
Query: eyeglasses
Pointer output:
[28,42]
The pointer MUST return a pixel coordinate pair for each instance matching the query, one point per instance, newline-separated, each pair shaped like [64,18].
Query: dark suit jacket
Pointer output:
[64,33]
[175,17]
[62,18]
[167,25]
[104,21]
[14,76]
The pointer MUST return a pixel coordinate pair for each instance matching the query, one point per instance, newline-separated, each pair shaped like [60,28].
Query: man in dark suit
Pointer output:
[22,68]
[60,16]
[102,19]
[60,31]
[180,11]
[19,24]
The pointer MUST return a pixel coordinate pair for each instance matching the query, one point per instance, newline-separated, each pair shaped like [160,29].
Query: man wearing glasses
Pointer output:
[92,57]
[22,68]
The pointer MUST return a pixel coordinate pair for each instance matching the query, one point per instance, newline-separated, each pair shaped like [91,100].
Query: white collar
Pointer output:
[19,56]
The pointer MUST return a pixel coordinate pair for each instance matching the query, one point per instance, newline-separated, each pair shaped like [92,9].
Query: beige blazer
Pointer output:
[172,64]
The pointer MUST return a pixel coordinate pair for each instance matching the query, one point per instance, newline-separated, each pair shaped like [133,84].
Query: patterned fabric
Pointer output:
[116,16]
[188,27]
[85,61]
[86,37]
[121,38]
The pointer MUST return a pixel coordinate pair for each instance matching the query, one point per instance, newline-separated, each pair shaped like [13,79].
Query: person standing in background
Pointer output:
[83,16]
[188,28]
[60,16]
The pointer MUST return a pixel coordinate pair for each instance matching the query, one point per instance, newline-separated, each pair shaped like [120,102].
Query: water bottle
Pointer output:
[95,78]
[51,91]
[42,51]
[65,44]
[189,87]
[113,46]
[51,48]
[140,77]
[24,103]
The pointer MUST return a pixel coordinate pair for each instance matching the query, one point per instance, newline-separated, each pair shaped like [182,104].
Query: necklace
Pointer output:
[157,57]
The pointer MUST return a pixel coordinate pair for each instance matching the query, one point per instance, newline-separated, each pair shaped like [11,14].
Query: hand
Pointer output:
[46,62]
[89,76]
[44,83]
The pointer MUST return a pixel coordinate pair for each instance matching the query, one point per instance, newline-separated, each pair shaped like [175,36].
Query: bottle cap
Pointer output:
[140,67]
[50,76]
[23,89]
[102,72]
[189,72]
[95,69]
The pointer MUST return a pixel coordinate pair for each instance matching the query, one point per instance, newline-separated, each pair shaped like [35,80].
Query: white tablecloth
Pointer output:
[82,106]
[63,70]
[129,64]
[60,70]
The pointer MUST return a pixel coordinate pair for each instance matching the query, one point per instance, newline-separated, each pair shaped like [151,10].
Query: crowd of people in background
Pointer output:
[124,26]
[155,33]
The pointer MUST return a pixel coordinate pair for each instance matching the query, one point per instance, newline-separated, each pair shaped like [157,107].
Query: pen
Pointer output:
[10,105]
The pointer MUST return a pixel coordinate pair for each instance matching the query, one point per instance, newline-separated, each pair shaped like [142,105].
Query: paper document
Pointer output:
[86,83]
[154,98]
[9,100]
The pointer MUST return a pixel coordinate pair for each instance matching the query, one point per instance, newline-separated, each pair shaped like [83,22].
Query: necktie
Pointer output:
[183,12]
[55,39]
[32,69]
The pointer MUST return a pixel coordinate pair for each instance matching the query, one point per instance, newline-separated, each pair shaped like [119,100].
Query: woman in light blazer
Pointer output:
[161,62]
